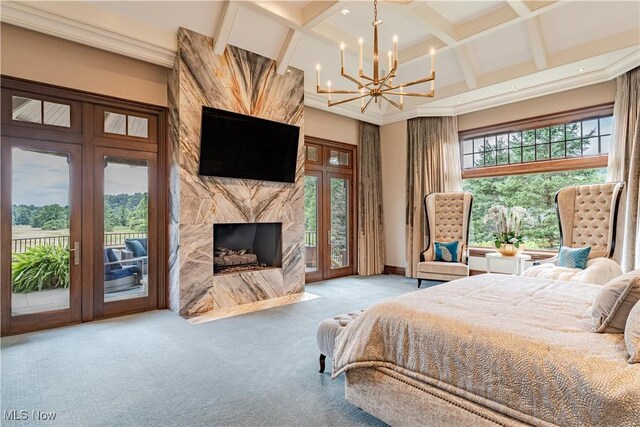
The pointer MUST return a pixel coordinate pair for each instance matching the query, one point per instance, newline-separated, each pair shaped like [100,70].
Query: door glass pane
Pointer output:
[40,270]
[311,223]
[126,264]
[27,110]
[339,233]
[312,153]
[57,114]
[115,123]
[138,126]
[338,158]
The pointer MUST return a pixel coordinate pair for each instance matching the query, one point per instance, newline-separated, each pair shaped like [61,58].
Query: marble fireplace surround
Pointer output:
[246,83]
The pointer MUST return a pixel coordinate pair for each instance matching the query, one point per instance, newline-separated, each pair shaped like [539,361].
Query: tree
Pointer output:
[339,219]
[138,219]
[47,213]
[109,218]
[310,208]
[21,214]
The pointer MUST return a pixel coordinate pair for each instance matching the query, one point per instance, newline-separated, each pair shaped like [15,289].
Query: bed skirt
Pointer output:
[402,401]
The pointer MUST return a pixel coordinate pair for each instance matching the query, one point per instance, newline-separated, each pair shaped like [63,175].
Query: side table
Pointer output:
[517,261]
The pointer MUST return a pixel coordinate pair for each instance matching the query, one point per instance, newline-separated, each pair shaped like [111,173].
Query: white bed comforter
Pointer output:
[518,345]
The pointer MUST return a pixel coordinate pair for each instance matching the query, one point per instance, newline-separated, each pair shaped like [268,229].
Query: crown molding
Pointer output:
[82,30]
[312,99]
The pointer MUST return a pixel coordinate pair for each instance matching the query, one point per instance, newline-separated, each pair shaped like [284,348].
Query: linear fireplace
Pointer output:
[246,247]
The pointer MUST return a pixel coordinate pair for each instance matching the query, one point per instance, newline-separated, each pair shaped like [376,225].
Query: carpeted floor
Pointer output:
[155,369]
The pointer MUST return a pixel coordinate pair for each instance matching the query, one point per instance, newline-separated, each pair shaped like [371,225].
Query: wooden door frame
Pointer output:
[84,107]
[54,318]
[322,167]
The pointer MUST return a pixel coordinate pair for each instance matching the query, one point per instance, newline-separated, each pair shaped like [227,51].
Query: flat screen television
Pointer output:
[234,145]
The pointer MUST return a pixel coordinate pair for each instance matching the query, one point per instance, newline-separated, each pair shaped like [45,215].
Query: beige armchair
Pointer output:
[448,216]
[587,215]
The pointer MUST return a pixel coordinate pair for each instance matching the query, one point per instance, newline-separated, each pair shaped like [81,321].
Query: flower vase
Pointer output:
[508,249]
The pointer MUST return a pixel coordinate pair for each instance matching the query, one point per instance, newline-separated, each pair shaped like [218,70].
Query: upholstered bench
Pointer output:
[328,330]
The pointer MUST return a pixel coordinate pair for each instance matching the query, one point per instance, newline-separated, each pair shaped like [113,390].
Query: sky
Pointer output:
[42,179]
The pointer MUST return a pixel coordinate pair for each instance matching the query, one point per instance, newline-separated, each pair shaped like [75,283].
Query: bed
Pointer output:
[486,350]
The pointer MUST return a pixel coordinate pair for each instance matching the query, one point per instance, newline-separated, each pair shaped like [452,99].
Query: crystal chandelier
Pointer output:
[377,86]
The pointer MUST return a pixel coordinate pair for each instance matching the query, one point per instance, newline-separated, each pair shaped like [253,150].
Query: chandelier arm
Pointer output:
[363,109]
[338,91]
[423,95]
[415,82]
[364,76]
[395,104]
[353,79]
[387,77]
[331,104]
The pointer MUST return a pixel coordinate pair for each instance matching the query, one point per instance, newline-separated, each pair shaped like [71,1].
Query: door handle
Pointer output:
[76,253]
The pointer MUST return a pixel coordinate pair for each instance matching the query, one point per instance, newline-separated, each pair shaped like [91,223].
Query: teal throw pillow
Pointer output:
[574,257]
[136,248]
[446,252]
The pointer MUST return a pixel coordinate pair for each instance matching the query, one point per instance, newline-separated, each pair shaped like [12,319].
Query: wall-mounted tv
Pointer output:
[234,145]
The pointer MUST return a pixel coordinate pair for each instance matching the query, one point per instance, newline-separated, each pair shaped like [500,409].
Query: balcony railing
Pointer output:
[310,238]
[110,240]
[21,245]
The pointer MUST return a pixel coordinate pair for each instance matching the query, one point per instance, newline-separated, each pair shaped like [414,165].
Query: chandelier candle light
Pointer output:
[377,86]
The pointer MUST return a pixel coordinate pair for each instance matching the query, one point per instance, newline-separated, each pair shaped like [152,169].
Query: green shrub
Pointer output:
[55,224]
[39,268]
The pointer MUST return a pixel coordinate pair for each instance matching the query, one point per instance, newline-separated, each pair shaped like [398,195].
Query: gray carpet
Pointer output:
[155,369]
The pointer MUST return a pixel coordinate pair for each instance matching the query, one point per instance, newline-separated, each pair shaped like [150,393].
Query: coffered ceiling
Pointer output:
[488,53]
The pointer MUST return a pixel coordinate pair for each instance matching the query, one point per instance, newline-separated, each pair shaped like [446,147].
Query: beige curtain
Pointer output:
[624,163]
[370,229]
[433,165]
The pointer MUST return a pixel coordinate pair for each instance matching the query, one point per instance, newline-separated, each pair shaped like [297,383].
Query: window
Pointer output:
[122,124]
[534,192]
[579,138]
[42,112]
[338,158]
[527,163]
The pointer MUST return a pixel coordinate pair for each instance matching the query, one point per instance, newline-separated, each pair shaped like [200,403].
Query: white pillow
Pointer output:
[614,302]
[632,334]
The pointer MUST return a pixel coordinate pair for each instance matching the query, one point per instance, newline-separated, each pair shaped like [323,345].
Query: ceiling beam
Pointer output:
[465,36]
[466,65]
[224,27]
[319,11]
[520,7]
[437,24]
[286,53]
[537,45]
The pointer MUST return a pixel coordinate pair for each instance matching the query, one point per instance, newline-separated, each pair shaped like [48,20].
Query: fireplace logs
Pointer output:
[234,261]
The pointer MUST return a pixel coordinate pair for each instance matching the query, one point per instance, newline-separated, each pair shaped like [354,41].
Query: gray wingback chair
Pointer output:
[588,217]
[448,216]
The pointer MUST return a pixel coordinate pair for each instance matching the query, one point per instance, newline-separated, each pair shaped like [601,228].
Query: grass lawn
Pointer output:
[26,232]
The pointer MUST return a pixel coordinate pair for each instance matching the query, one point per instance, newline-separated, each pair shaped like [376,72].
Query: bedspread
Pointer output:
[515,344]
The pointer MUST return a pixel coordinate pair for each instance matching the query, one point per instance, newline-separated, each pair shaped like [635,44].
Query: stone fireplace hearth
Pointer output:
[246,83]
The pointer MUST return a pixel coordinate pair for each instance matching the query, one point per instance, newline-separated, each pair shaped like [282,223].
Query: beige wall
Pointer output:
[563,101]
[34,56]
[333,127]
[393,141]
[394,152]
